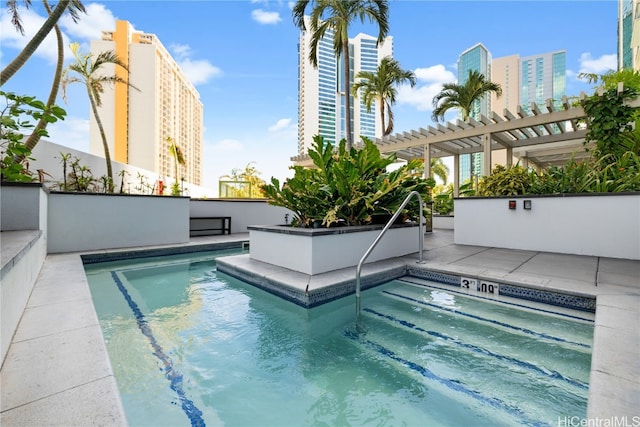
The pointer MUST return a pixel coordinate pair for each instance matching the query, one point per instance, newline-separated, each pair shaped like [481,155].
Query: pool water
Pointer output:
[192,346]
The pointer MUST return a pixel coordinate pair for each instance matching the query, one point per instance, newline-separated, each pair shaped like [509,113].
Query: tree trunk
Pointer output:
[33,139]
[105,146]
[384,127]
[347,90]
[33,44]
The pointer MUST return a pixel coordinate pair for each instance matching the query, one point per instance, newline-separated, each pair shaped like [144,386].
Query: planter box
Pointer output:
[606,225]
[315,251]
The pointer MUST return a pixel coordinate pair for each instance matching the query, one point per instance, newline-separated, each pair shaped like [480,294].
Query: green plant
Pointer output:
[505,181]
[610,120]
[15,120]
[349,187]
[81,177]
[122,175]
[143,186]
[443,199]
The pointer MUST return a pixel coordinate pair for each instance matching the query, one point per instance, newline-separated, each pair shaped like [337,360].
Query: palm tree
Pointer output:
[439,169]
[33,139]
[463,96]
[178,159]
[380,87]
[336,15]
[73,6]
[89,72]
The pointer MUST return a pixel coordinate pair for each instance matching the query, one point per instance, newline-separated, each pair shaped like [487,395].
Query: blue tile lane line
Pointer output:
[526,365]
[513,411]
[175,378]
[483,319]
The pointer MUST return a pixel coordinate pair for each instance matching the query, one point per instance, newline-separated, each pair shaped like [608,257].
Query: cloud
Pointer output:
[598,65]
[90,25]
[429,84]
[282,124]
[264,17]
[31,22]
[180,50]
[436,73]
[198,71]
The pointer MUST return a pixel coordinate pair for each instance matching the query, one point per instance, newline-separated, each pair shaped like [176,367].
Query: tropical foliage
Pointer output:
[242,183]
[89,71]
[16,117]
[335,16]
[463,96]
[178,159]
[348,187]
[380,86]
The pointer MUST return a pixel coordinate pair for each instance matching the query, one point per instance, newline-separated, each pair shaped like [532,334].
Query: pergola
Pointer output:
[541,137]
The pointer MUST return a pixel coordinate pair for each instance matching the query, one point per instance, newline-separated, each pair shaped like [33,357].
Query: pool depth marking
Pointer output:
[174,377]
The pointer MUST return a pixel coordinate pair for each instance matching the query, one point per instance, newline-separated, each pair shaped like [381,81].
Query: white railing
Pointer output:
[377,240]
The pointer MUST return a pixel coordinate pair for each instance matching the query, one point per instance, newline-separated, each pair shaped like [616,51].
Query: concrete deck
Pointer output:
[57,371]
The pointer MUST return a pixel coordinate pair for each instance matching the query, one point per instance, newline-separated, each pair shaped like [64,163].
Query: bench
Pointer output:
[210,225]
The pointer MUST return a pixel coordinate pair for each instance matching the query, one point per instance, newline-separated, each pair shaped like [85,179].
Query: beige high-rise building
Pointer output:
[139,122]
[506,72]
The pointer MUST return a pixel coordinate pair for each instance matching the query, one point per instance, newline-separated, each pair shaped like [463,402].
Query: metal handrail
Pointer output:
[384,230]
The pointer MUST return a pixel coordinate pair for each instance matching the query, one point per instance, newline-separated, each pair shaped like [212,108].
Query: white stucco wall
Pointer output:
[81,221]
[598,225]
[23,207]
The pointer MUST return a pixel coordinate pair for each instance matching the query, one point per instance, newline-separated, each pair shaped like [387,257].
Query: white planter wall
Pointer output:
[243,213]
[598,225]
[16,283]
[302,251]
[84,222]
[443,222]
[23,207]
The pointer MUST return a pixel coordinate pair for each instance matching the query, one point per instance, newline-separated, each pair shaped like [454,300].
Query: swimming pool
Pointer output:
[192,346]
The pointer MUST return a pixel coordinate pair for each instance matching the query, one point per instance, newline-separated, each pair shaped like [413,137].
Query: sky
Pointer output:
[241,55]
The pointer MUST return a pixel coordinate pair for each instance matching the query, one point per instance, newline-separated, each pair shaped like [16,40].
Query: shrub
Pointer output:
[348,187]
[503,181]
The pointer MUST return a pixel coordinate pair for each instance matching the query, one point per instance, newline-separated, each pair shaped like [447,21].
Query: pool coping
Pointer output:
[92,396]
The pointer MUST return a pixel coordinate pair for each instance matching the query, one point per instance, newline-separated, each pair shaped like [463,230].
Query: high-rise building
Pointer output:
[321,91]
[628,34]
[534,78]
[543,77]
[506,72]
[164,107]
[476,58]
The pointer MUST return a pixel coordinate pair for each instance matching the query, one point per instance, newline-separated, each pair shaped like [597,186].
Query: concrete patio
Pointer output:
[57,371]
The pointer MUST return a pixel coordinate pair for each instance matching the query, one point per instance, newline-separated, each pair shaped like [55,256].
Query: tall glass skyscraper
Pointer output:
[534,78]
[321,90]
[543,77]
[476,58]
[629,34]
